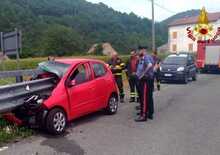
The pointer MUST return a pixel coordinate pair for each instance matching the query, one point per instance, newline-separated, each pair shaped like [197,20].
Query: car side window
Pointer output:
[80,75]
[99,69]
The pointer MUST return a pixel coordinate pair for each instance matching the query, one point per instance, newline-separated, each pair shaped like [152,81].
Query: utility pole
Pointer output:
[153,28]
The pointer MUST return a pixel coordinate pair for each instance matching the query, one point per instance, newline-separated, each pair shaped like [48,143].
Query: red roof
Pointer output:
[192,20]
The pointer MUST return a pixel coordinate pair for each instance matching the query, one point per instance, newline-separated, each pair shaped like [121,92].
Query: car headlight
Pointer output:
[180,69]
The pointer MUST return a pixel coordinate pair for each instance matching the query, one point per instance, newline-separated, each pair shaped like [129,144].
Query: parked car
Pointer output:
[81,86]
[178,67]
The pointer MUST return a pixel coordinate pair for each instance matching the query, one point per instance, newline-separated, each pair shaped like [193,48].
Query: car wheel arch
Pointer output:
[59,107]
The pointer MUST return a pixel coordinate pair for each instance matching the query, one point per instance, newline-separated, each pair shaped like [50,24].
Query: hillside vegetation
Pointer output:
[67,27]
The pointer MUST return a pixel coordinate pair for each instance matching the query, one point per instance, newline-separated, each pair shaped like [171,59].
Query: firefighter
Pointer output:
[156,69]
[117,67]
[131,67]
[145,74]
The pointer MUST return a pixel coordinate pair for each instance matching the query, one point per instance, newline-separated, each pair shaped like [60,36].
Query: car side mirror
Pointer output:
[72,83]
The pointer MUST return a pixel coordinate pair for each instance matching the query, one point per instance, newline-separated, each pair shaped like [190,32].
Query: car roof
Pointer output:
[72,61]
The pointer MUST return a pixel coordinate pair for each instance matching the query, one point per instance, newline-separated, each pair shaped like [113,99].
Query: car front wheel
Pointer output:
[112,105]
[56,121]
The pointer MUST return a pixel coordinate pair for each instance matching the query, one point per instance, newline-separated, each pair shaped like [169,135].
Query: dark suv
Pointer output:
[178,67]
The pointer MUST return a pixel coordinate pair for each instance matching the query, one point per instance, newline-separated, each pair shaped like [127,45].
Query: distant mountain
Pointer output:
[67,27]
[184,14]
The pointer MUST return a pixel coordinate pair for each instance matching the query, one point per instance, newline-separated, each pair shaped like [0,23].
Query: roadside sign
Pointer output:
[11,45]
[11,42]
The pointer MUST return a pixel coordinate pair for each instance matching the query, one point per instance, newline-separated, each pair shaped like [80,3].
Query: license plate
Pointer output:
[168,75]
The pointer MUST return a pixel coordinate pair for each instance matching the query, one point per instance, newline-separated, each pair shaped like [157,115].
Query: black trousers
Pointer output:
[133,86]
[119,81]
[146,89]
[157,78]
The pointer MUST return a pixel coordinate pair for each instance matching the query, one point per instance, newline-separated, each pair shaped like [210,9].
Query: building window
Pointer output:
[174,35]
[190,47]
[174,47]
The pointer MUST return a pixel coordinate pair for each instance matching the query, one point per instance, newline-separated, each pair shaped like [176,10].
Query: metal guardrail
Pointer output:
[17,73]
[12,96]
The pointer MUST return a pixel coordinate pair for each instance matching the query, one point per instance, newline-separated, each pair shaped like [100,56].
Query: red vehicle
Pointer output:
[208,56]
[82,86]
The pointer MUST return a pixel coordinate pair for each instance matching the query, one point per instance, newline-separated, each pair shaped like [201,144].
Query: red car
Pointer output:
[82,86]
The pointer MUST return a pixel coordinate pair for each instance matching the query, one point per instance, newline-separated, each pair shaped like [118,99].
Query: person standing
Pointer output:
[156,69]
[145,75]
[117,67]
[131,67]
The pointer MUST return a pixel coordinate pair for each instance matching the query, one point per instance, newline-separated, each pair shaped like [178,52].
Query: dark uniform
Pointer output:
[157,70]
[145,88]
[117,66]
[131,67]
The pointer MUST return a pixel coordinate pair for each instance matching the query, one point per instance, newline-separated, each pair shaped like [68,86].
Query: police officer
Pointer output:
[131,67]
[117,66]
[145,74]
[156,69]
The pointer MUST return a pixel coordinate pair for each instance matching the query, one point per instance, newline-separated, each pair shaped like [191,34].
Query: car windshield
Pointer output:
[175,60]
[55,67]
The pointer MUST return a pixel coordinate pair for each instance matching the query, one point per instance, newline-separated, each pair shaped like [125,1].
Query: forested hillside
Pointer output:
[67,27]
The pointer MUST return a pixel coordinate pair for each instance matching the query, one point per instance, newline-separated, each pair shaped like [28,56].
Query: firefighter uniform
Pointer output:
[131,67]
[145,87]
[117,67]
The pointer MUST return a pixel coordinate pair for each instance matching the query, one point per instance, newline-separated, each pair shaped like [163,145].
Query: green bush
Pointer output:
[31,63]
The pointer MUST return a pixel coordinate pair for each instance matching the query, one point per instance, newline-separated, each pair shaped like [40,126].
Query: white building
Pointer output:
[178,40]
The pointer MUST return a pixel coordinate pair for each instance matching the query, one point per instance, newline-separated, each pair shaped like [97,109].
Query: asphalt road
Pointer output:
[187,122]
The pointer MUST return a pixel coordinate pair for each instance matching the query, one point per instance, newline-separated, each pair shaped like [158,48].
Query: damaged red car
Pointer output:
[79,87]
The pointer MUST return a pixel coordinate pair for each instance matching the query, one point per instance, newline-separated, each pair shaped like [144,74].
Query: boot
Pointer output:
[132,99]
[138,99]
[138,107]
[151,117]
[158,87]
[141,119]
[122,100]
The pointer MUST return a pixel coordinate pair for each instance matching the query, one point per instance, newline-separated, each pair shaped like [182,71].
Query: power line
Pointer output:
[162,7]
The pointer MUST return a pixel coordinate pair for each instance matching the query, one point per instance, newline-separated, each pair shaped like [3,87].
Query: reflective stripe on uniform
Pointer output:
[117,73]
[133,94]
[118,67]
[122,64]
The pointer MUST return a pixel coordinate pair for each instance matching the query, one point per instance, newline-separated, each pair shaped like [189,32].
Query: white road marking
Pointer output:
[3,148]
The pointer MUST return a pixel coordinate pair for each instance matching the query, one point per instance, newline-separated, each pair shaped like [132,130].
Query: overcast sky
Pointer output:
[143,7]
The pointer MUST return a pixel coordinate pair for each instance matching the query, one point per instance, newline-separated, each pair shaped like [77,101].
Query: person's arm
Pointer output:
[149,65]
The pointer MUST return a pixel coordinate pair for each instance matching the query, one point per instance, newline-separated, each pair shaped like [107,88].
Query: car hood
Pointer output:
[170,67]
[54,67]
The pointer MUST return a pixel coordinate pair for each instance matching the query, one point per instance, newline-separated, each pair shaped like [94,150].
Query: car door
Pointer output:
[80,90]
[101,91]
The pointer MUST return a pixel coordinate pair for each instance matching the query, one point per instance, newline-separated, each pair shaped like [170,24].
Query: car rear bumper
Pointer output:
[172,76]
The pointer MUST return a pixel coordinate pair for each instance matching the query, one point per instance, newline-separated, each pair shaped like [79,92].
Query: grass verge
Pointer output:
[10,132]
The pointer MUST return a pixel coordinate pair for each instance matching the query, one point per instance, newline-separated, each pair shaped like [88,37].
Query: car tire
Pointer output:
[56,121]
[112,107]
